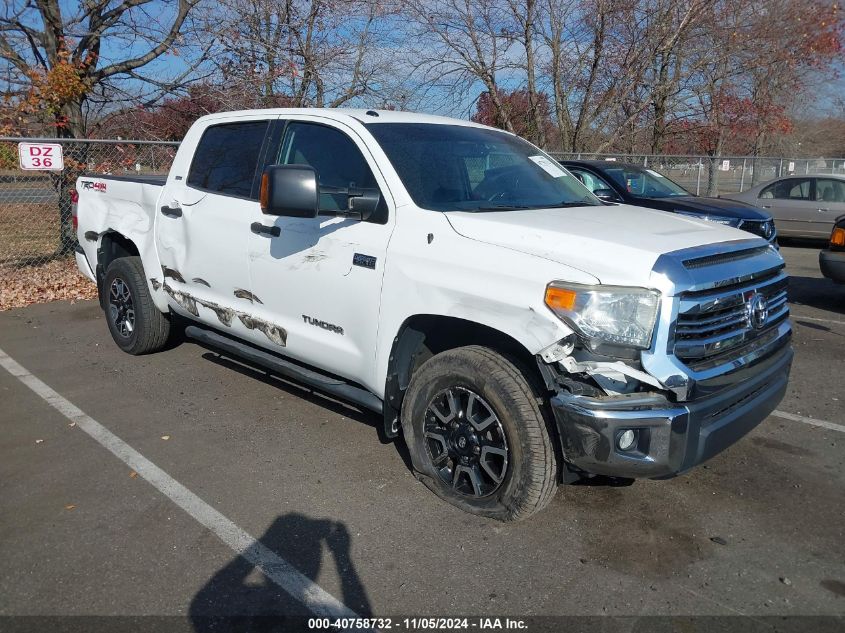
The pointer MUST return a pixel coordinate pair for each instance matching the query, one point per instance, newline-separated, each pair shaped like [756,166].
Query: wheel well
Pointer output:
[112,246]
[423,336]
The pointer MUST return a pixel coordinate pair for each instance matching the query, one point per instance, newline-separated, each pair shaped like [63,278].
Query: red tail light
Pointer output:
[74,196]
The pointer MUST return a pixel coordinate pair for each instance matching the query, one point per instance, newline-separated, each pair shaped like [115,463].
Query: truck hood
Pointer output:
[617,244]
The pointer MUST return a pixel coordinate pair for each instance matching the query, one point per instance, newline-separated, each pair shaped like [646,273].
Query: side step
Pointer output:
[333,386]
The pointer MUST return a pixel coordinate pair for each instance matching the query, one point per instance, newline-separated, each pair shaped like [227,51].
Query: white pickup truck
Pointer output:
[516,330]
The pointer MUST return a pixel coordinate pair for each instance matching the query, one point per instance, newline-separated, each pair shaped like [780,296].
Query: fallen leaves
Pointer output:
[70,506]
[133,475]
[165,437]
[53,281]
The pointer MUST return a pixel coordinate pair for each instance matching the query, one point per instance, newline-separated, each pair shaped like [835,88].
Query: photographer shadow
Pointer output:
[817,292]
[240,597]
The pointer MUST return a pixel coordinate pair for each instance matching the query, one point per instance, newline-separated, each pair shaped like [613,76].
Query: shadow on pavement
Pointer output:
[290,386]
[817,293]
[241,598]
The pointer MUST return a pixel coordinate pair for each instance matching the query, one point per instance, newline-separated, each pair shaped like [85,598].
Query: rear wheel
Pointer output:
[135,323]
[477,436]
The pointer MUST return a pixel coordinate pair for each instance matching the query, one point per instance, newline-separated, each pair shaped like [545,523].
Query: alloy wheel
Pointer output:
[465,442]
[121,307]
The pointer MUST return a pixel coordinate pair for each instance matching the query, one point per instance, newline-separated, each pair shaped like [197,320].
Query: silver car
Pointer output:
[802,206]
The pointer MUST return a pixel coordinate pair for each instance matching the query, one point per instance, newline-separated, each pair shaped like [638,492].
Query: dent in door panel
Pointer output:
[226,316]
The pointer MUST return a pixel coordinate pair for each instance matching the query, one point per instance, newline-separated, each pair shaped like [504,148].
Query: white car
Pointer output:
[455,279]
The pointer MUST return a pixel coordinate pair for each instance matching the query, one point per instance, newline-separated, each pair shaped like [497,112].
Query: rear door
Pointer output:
[320,278]
[830,203]
[203,224]
[791,204]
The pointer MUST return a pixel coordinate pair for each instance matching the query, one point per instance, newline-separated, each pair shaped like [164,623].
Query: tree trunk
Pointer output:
[713,167]
[661,98]
[70,124]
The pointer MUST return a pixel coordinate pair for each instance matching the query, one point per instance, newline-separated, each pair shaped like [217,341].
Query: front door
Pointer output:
[203,226]
[320,278]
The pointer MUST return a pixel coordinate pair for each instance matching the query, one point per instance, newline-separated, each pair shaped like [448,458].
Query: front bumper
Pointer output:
[670,437]
[832,265]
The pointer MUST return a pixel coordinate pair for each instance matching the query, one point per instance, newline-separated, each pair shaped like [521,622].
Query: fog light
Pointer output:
[627,440]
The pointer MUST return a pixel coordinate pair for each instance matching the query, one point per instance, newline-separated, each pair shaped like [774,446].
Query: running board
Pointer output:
[334,386]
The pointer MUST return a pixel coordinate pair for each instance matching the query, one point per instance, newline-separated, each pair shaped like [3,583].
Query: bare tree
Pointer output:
[525,16]
[321,53]
[460,44]
[55,59]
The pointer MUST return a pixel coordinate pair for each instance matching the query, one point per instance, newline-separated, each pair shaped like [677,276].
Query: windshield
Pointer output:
[462,168]
[645,183]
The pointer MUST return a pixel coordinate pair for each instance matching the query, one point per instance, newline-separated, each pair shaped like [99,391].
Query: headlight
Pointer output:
[718,219]
[609,314]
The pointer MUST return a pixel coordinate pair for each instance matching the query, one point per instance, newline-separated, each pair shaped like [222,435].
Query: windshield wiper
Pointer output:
[564,205]
[517,207]
[503,207]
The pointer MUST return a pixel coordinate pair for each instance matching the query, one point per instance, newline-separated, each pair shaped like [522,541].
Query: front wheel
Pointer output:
[477,436]
[135,323]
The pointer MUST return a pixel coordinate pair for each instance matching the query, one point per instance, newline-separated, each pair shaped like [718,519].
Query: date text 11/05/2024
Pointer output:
[418,624]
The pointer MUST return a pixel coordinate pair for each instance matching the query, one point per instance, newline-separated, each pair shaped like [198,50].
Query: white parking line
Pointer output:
[281,572]
[795,317]
[800,418]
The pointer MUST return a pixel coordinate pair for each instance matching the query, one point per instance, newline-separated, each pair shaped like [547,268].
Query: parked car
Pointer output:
[644,187]
[802,206]
[456,280]
[832,259]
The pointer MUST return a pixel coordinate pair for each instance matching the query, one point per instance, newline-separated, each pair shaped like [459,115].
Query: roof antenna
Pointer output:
[371,113]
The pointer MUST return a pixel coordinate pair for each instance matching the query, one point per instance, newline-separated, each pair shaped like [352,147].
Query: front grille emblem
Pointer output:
[757,311]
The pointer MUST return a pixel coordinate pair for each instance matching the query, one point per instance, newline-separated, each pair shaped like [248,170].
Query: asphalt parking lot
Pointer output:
[757,531]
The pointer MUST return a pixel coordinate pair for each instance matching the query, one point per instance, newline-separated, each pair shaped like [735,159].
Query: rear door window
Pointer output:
[226,158]
[789,189]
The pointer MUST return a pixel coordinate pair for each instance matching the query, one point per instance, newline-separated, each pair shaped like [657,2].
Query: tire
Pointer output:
[452,395]
[136,324]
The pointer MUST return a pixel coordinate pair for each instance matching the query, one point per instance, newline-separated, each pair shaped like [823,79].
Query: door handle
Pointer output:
[171,212]
[262,229]
[767,206]
[821,210]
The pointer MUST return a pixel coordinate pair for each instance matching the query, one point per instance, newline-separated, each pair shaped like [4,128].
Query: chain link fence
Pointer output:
[37,236]
[35,221]
[714,176]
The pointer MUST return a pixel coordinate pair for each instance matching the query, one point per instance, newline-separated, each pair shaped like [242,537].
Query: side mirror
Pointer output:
[290,190]
[364,203]
[608,195]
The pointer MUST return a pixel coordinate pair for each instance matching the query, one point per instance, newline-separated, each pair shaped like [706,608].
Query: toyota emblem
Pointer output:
[758,311]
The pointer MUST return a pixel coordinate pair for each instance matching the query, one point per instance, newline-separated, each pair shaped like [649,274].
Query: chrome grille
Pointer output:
[715,326]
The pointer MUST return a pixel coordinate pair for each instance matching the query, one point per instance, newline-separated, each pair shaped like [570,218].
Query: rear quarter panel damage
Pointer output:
[126,208]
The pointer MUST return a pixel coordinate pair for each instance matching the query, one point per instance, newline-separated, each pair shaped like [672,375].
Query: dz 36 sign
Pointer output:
[40,156]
